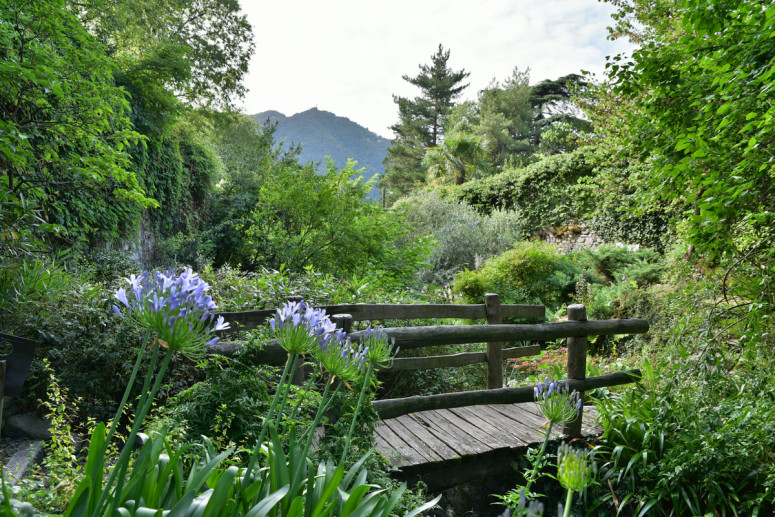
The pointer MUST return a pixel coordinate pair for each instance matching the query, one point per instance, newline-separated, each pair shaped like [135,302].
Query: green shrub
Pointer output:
[543,192]
[235,290]
[462,234]
[690,442]
[108,266]
[90,349]
[614,263]
[531,272]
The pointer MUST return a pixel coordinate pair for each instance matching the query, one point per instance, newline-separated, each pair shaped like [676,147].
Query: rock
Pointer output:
[27,425]
[26,453]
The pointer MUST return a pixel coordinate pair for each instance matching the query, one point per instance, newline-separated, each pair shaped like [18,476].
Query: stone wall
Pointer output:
[139,246]
[571,237]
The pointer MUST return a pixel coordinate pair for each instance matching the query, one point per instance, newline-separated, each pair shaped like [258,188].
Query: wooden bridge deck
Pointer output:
[462,443]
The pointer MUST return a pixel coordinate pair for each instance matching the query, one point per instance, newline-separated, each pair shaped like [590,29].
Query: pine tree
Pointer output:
[420,121]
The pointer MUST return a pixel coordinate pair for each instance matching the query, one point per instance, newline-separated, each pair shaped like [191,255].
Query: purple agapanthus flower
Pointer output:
[174,307]
[299,328]
[337,355]
[557,402]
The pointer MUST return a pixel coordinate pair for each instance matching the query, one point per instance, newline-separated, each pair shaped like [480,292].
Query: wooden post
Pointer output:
[577,365]
[343,321]
[2,393]
[492,310]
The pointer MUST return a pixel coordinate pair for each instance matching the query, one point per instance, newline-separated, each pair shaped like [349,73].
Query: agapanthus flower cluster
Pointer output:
[299,328]
[174,307]
[557,402]
[379,347]
[575,471]
[337,355]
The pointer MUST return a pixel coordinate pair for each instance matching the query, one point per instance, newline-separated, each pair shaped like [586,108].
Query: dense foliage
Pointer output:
[109,128]
[462,236]
[420,124]
[531,272]
[64,125]
[704,119]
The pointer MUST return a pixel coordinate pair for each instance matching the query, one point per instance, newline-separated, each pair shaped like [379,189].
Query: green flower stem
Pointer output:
[138,361]
[127,449]
[366,380]
[123,461]
[269,415]
[294,364]
[568,501]
[537,464]
[324,405]
[306,388]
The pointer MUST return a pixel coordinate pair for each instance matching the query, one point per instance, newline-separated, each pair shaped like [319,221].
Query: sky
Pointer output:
[348,56]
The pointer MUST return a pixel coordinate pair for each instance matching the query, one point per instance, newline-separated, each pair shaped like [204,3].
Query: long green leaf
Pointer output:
[262,508]
[329,488]
[353,499]
[201,476]
[81,500]
[426,506]
[183,506]
[221,492]
[356,469]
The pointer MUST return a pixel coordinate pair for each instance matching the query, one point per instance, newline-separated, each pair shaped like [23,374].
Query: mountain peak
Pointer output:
[322,133]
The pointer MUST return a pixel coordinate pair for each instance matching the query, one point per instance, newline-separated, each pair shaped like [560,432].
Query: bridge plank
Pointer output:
[469,432]
[497,436]
[432,444]
[396,450]
[521,433]
[457,439]
[418,447]
[438,436]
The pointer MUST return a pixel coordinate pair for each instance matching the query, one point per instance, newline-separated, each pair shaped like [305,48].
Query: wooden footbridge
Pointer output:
[450,438]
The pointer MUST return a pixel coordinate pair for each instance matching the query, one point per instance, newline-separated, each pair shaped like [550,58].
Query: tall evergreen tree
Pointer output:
[420,121]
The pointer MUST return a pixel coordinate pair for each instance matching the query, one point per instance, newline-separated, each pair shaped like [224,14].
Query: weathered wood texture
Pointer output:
[418,337]
[450,435]
[492,308]
[576,364]
[454,360]
[248,320]
[392,408]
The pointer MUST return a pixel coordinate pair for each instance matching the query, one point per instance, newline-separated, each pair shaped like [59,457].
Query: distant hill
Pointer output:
[321,133]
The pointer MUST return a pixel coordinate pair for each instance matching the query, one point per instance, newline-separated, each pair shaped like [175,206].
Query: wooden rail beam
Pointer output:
[454,360]
[418,337]
[247,320]
[392,408]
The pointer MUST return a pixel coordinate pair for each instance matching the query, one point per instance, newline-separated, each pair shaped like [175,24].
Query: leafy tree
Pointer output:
[64,129]
[249,156]
[519,120]
[558,119]
[420,124]
[458,158]
[506,118]
[326,222]
[270,211]
[196,51]
[703,118]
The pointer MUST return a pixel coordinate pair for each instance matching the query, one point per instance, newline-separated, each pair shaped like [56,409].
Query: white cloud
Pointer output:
[348,56]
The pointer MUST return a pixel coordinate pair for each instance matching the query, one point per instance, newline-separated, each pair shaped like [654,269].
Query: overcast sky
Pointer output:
[348,56]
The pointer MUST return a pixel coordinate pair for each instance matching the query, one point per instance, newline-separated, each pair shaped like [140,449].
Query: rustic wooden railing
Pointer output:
[346,314]
[575,330]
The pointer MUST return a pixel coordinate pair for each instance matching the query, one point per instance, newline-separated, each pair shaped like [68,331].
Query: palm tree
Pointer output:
[458,157]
